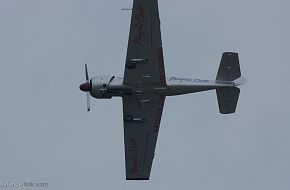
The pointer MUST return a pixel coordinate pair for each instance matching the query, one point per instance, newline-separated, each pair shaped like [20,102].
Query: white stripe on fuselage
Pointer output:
[186,80]
[183,81]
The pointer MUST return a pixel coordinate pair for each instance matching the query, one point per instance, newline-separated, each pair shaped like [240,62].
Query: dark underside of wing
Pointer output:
[144,69]
[141,126]
[144,61]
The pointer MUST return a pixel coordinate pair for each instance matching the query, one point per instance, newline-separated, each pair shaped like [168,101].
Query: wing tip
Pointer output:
[137,178]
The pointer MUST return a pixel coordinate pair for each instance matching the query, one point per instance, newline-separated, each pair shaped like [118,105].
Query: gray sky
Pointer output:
[47,135]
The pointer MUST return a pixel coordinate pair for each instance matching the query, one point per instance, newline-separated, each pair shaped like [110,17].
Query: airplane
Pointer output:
[144,87]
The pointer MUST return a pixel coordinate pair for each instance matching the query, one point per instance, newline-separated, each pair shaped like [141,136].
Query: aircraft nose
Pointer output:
[86,87]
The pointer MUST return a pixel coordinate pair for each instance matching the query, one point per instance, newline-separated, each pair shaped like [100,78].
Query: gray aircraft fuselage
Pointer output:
[105,87]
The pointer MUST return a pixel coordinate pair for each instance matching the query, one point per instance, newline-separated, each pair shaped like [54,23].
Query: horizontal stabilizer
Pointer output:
[229,68]
[227,99]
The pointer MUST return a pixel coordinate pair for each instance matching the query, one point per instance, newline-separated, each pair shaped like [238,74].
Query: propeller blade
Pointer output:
[87,75]
[86,87]
[88,102]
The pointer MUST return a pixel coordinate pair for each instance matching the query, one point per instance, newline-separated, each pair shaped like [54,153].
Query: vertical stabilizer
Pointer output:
[229,68]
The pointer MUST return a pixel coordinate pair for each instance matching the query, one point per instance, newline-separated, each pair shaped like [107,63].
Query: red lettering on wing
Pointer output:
[134,156]
[139,25]
[158,114]
[160,61]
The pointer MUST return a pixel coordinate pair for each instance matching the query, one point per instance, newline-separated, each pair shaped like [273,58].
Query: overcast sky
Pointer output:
[46,135]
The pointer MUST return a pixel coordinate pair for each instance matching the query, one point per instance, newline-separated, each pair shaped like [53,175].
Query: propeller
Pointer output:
[87,87]
[88,101]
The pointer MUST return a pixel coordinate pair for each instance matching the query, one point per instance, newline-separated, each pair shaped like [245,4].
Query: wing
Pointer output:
[141,125]
[144,62]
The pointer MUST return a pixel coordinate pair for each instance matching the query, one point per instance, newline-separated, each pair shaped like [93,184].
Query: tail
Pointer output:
[229,70]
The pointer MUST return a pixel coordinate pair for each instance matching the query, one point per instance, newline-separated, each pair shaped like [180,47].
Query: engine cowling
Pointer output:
[100,87]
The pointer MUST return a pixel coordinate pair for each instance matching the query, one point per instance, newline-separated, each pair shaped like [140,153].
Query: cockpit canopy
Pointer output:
[100,86]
